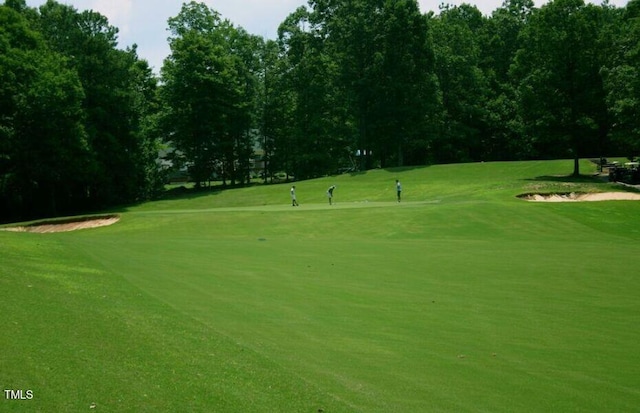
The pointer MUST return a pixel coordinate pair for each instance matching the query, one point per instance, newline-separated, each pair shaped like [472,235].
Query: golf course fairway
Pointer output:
[461,298]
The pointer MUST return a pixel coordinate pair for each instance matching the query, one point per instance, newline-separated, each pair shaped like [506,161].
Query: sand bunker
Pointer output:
[67,225]
[582,197]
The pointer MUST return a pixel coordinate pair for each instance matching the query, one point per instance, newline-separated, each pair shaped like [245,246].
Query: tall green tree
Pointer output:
[560,83]
[43,147]
[209,92]
[462,82]
[276,126]
[245,51]
[74,114]
[378,57]
[110,84]
[503,138]
[622,79]
[408,105]
[146,130]
[350,28]
[314,146]
[52,154]
[269,109]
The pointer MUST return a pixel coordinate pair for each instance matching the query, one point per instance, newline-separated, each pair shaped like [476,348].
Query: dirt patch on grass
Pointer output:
[581,197]
[65,225]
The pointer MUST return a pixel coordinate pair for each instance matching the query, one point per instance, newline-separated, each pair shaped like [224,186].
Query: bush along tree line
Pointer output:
[346,85]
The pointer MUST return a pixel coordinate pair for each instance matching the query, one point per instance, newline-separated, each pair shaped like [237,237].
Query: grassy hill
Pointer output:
[462,298]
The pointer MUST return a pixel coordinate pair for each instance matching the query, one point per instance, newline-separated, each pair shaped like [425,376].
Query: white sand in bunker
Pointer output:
[582,197]
[67,225]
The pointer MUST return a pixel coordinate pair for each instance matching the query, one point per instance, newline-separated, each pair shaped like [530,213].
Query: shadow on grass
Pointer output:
[395,169]
[582,179]
[182,192]
[176,193]
[399,169]
[186,192]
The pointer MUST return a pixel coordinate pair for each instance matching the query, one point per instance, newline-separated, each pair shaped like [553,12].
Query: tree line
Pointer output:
[77,129]
[346,85]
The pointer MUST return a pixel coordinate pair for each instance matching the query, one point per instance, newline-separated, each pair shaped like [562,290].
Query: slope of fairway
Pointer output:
[462,298]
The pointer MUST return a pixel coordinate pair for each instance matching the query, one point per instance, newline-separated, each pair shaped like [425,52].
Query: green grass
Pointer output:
[462,298]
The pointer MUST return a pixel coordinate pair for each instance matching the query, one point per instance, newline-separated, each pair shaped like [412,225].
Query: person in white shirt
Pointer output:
[330,193]
[294,202]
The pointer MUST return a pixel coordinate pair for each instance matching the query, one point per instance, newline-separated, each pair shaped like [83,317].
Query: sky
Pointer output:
[144,22]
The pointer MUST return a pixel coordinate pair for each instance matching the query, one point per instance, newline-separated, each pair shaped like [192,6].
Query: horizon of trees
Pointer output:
[346,85]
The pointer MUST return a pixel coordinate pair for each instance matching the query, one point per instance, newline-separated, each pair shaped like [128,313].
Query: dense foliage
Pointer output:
[346,85]
[75,114]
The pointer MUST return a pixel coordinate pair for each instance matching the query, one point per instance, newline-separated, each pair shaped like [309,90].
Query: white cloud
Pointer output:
[260,17]
[119,12]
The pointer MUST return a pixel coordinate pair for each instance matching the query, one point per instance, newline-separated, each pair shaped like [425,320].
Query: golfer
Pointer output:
[330,193]
[294,202]
[398,190]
